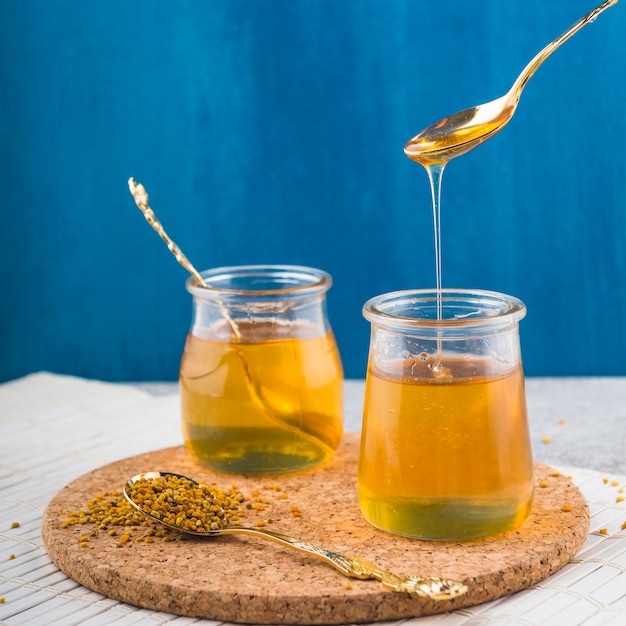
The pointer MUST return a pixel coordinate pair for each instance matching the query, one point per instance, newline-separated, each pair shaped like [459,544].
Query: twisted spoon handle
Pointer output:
[433,588]
[140,195]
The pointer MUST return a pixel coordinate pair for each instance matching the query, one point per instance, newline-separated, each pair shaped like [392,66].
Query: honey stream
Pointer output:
[461,132]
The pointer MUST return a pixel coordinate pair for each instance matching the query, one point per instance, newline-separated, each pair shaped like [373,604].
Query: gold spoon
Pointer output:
[459,133]
[433,588]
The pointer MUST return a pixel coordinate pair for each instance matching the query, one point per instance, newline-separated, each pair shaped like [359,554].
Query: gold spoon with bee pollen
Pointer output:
[433,588]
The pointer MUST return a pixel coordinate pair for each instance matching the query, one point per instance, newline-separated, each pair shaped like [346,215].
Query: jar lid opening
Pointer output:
[255,281]
[457,308]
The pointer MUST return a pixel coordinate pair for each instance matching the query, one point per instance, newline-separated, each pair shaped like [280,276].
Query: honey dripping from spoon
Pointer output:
[461,132]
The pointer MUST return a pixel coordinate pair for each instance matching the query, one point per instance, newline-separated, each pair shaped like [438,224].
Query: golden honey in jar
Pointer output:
[261,378]
[445,449]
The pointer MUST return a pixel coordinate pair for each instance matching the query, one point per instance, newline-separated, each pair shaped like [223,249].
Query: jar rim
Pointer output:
[474,307]
[270,280]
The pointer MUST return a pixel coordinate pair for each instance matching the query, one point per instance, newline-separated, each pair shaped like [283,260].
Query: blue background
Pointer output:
[271,131]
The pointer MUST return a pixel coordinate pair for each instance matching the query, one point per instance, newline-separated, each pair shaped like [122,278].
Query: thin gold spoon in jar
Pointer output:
[459,133]
[287,421]
[433,588]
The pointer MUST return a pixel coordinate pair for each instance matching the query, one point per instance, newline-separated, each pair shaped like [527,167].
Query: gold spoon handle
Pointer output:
[140,195]
[541,56]
[433,588]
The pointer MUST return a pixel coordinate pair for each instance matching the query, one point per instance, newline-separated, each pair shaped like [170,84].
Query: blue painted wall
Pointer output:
[271,131]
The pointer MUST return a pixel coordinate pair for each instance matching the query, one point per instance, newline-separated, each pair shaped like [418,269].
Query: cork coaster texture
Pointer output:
[250,580]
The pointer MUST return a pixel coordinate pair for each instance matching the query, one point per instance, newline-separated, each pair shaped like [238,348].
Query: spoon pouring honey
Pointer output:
[433,588]
[459,133]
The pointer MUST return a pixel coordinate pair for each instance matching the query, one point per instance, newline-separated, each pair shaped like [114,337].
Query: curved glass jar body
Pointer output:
[445,448]
[261,379]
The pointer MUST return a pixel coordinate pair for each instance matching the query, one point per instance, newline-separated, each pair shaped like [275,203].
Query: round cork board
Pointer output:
[249,580]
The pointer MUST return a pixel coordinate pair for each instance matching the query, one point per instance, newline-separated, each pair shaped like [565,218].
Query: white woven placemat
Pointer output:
[56,428]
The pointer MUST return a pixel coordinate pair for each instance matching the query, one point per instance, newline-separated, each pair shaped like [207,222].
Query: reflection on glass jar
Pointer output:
[261,379]
[445,449]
